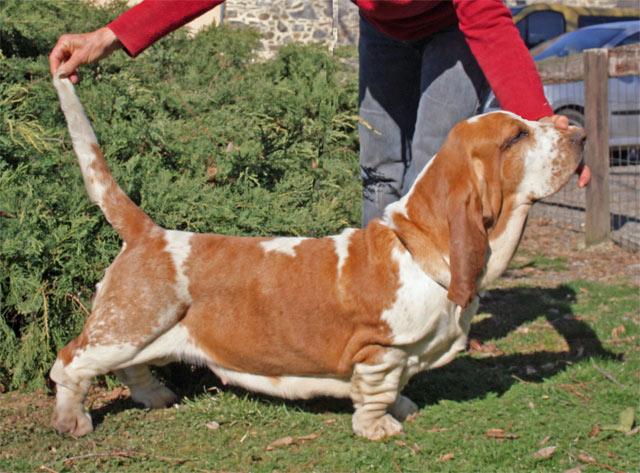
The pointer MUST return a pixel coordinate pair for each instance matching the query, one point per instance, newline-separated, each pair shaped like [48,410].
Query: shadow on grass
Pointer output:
[466,377]
[469,378]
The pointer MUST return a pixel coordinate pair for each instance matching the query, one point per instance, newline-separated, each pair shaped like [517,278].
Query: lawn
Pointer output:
[547,376]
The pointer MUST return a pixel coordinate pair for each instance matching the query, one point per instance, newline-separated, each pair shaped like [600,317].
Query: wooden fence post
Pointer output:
[596,101]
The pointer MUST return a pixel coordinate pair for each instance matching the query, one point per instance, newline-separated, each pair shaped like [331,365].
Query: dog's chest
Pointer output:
[447,337]
[421,308]
[423,321]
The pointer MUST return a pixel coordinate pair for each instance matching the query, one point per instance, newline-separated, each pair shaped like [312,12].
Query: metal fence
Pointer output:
[600,90]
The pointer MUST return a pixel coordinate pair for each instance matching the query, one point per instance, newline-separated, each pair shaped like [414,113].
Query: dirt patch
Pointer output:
[567,259]
[36,407]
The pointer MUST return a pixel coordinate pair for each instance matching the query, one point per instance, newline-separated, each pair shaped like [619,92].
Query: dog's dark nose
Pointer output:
[578,136]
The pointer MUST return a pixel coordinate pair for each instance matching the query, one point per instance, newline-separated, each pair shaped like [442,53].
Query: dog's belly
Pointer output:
[177,344]
[288,387]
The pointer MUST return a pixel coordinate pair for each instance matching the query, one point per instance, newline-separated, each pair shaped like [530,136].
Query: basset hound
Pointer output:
[352,315]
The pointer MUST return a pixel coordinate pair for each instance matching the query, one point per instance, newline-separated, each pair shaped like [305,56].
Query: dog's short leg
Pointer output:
[374,390]
[403,409]
[75,367]
[145,388]
[69,415]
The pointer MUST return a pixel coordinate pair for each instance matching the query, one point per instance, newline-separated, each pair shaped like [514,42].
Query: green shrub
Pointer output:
[198,132]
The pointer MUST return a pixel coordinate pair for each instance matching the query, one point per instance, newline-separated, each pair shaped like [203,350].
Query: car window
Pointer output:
[632,39]
[544,25]
[576,41]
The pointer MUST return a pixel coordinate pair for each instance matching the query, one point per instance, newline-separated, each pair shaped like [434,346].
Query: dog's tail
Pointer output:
[123,214]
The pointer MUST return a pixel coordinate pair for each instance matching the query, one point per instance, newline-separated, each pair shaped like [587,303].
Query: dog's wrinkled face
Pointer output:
[535,158]
[497,162]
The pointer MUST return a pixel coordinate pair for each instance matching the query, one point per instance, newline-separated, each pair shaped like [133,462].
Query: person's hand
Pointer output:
[562,123]
[72,50]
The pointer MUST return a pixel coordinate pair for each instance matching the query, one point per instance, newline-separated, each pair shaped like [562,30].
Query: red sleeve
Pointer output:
[150,20]
[496,44]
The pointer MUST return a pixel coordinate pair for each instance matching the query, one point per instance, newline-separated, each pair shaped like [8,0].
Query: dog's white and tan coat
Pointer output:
[352,315]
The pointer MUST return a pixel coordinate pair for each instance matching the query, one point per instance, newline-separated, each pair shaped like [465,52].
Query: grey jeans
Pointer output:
[411,95]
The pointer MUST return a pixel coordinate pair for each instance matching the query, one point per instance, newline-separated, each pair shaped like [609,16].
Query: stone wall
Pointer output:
[330,22]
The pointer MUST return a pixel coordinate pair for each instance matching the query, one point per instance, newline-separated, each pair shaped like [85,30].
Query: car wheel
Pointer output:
[576,118]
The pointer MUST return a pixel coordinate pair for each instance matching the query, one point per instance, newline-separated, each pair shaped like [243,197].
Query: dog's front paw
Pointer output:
[404,409]
[74,423]
[377,429]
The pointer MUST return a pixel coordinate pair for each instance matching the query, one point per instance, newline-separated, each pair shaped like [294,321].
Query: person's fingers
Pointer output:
[58,54]
[70,66]
[73,50]
[585,177]
[55,58]
[561,122]
[64,58]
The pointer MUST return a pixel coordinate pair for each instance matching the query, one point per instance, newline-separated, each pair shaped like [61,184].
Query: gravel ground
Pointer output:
[606,263]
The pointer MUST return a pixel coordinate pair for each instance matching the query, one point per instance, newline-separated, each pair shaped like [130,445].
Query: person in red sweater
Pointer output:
[424,66]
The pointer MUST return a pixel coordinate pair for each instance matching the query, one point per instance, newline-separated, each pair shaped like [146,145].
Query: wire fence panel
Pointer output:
[624,171]
[568,207]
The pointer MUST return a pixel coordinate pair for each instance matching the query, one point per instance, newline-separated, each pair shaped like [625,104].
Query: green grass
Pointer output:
[561,365]
[543,263]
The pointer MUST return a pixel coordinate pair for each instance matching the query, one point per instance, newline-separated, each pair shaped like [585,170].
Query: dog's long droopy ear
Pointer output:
[490,192]
[468,242]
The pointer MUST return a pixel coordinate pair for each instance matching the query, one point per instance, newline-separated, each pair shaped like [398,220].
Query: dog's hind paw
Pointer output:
[379,428]
[158,397]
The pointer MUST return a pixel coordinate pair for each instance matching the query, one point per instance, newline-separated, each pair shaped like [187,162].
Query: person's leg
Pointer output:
[452,88]
[389,93]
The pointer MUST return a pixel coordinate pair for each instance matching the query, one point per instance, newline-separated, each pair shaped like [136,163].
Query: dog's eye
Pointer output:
[521,134]
[514,139]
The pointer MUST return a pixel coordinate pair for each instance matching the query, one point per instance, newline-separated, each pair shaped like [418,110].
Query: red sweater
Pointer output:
[486,25]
